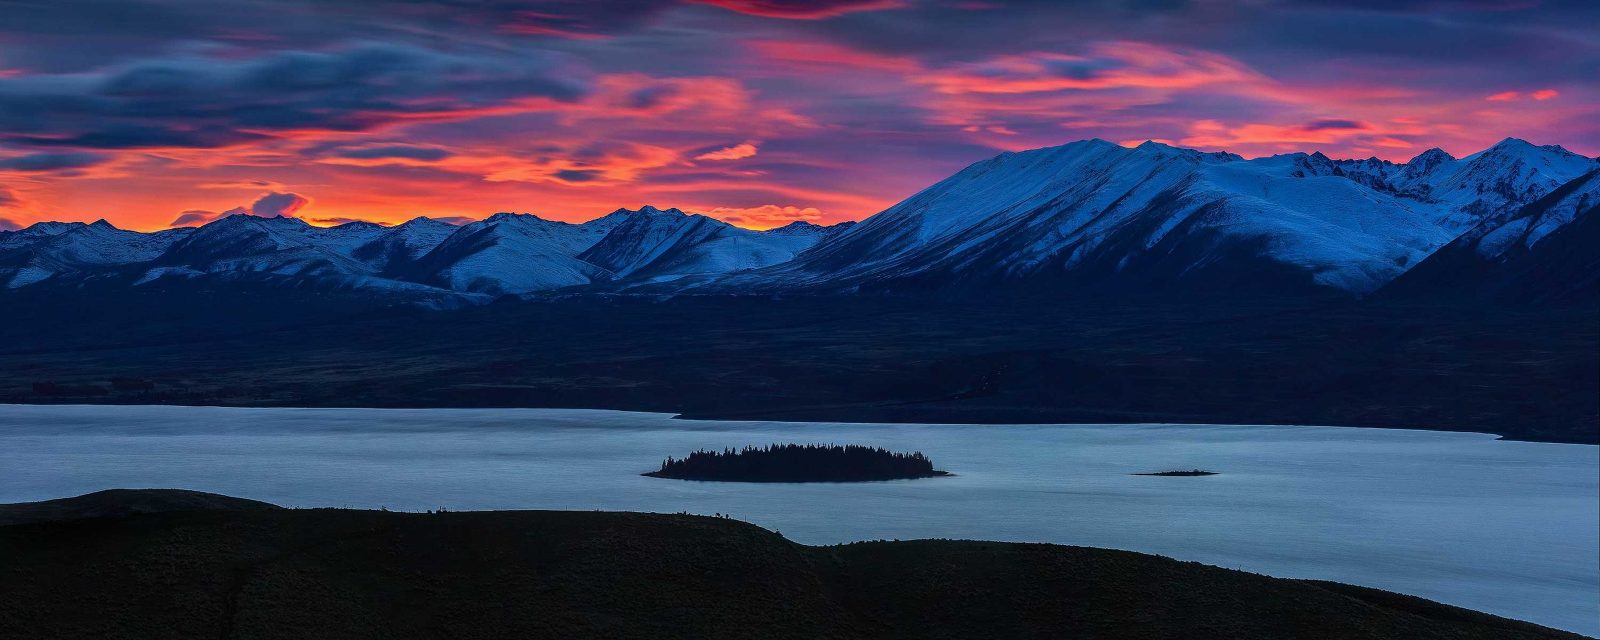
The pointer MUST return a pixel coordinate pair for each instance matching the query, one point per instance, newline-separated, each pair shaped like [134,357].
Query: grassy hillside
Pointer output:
[534,574]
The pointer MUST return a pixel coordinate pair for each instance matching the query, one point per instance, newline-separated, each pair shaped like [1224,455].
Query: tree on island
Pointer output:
[798,463]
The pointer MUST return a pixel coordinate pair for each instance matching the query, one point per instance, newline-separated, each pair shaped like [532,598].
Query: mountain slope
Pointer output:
[396,248]
[49,250]
[1090,217]
[281,246]
[654,245]
[1463,192]
[1093,215]
[1547,251]
[511,253]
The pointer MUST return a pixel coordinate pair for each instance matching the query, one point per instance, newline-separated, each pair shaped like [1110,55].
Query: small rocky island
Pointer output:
[1180,474]
[798,463]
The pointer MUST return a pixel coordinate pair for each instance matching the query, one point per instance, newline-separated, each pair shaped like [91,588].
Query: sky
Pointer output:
[150,113]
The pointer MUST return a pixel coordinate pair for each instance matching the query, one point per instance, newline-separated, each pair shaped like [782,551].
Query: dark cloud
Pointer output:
[857,103]
[194,217]
[273,205]
[210,101]
[8,198]
[50,162]
[579,175]
[268,206]
[8,225]
[1334,123]
[383,152]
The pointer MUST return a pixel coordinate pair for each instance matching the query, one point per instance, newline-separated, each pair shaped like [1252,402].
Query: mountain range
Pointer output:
[1513,221]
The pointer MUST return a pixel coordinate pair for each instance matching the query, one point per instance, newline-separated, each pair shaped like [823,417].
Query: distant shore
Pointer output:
[1520,374]
[843,416]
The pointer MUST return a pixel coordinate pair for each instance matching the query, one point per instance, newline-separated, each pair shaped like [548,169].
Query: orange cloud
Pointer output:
[766,216]
[608,165]
[1503,96]
[1545,94]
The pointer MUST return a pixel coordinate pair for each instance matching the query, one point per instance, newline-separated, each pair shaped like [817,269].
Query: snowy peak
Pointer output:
[648,234]
[508,253]
[1161,149]
[798,228]
[1544,251]
[278,246]
[1088,215]
[44,229]
[649,210]
[1520,147]
[69,250]
[654,245]
[1503,178]
[1429,159]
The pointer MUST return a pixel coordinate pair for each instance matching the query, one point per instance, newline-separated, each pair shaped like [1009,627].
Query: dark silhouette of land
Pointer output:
[1526,373]
[120,502]
[324,573]
[1179,474]
[798,463]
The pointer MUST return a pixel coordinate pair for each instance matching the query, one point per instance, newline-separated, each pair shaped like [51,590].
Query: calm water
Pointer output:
[1511,528]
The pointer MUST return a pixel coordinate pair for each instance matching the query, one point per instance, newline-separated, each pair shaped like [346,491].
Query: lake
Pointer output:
[1511,528]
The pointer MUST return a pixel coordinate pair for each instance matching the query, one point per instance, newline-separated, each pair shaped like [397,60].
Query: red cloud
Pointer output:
[734,152]
[803,9]
[597,166]
[1508,96]
[810,56]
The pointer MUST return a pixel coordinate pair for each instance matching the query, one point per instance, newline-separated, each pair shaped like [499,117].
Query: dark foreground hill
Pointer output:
[540,574]
[121,502]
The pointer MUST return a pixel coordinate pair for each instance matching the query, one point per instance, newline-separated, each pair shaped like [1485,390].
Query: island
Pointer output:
[1180,474]
[798,463]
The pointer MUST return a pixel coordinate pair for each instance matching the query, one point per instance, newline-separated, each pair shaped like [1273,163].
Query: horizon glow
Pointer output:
[758,112]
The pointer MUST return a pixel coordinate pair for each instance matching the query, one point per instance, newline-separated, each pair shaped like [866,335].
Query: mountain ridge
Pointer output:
[1085,217]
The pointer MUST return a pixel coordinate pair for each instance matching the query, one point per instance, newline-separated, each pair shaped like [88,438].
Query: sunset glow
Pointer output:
[759,112]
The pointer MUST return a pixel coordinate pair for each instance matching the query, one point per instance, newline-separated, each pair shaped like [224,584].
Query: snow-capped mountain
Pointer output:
[1090,216]
[1545,250]
[1099,216]
[652,245]
[511,253]
[396,248]
[1461,193]
[51,249]
[267,246]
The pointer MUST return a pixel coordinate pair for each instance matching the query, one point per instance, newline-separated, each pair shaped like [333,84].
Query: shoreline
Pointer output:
[689,417]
